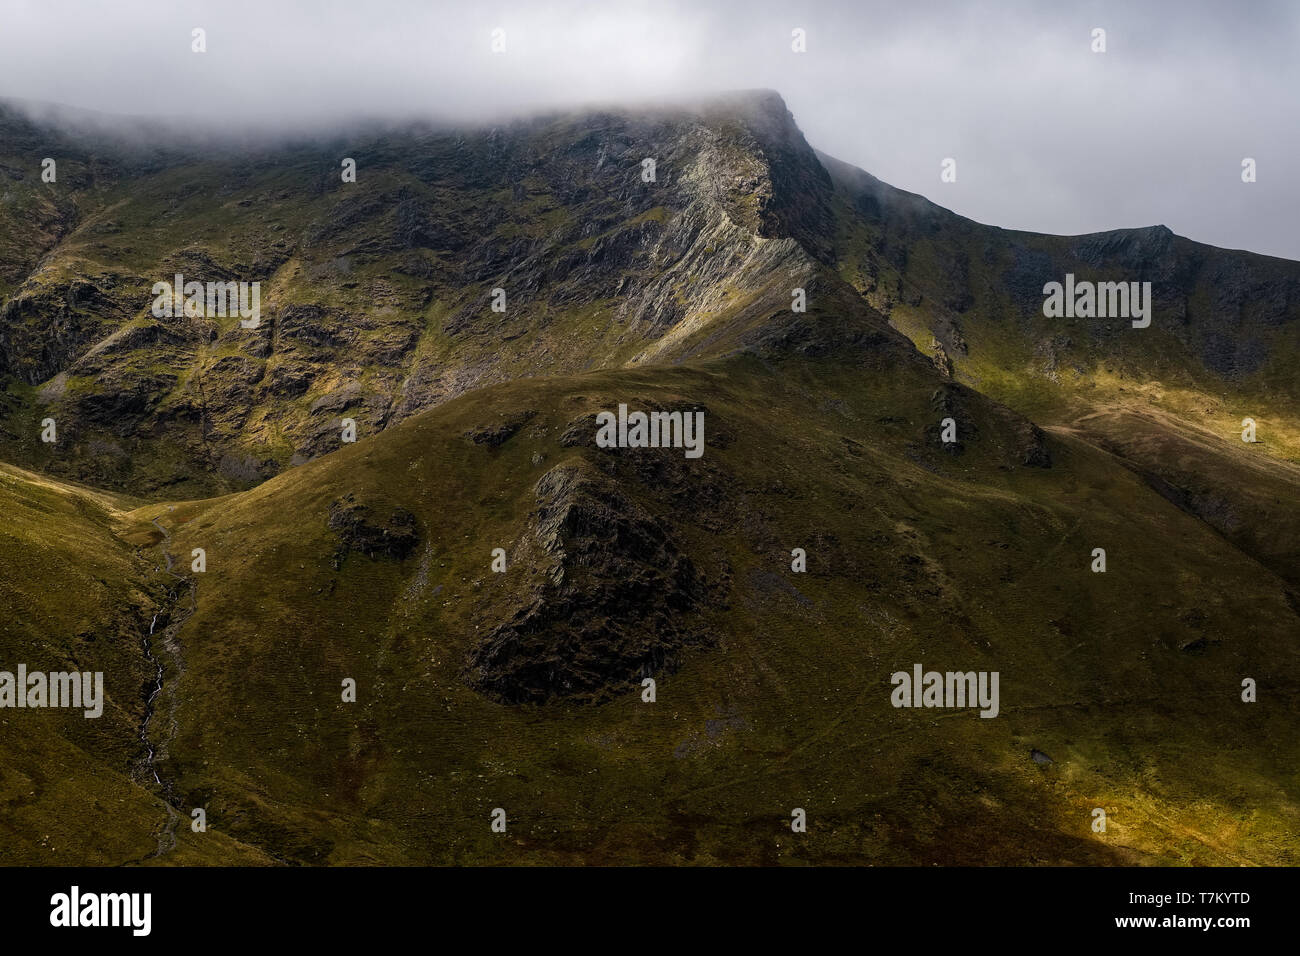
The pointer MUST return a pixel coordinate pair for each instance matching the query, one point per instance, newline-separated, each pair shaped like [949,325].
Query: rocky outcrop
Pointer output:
[376,530]
[617,600]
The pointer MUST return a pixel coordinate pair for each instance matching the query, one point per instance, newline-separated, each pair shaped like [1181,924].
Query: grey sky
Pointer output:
[1047,135]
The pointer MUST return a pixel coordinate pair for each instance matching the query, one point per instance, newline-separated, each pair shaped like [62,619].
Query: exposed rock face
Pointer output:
[383,299]
[1017,440]
[615,603]
[1219,307]
[379,304]
[1033,449]
[380,532]
[498,433]
[947,402]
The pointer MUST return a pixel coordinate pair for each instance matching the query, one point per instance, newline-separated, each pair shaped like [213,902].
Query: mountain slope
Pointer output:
[773,687]
[823,431]
[378,294]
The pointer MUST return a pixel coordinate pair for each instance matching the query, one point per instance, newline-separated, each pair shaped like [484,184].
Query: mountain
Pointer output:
[327,561]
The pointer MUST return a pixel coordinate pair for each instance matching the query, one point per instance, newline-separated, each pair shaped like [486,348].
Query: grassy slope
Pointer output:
[1145,395]
[78,597]
[968,565]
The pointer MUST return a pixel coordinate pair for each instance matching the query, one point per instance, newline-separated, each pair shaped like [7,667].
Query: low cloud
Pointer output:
[1048,135]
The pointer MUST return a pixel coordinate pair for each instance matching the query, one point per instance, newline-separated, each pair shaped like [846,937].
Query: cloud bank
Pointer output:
[1047,134]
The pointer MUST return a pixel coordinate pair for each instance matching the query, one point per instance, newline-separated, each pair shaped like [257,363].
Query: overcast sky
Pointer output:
[1048,135]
